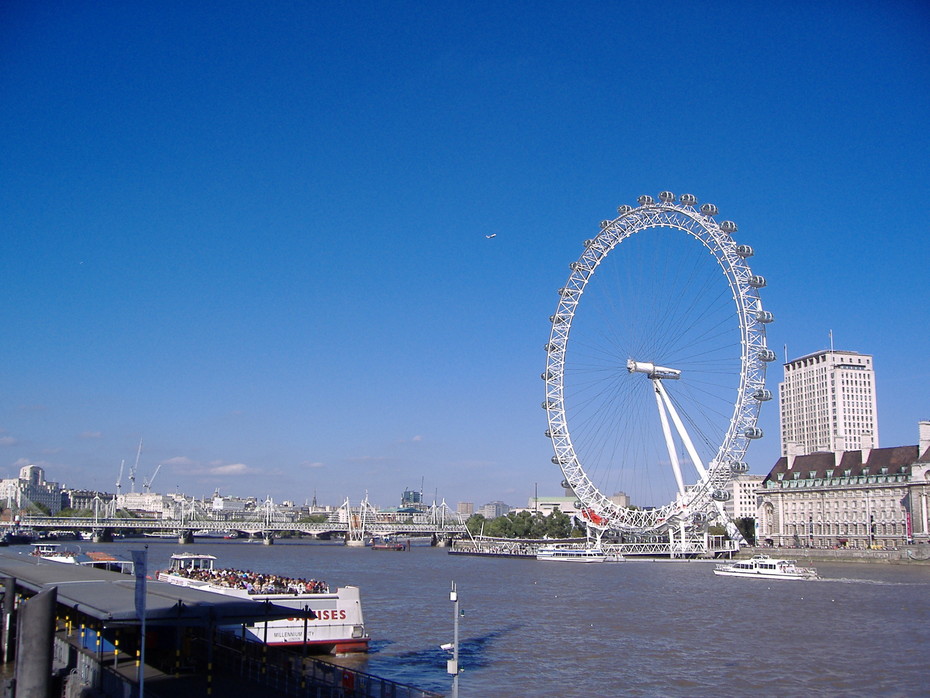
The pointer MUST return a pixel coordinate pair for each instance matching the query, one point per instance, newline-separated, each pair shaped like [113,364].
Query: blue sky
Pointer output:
[254,236]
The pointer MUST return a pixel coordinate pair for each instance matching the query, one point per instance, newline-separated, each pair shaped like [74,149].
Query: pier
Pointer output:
[96,647]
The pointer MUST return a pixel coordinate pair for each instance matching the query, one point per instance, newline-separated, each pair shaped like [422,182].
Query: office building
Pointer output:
[827,403]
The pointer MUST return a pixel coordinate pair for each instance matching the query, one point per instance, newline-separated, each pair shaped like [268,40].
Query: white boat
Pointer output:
[337,628]
[70,555]
[564,553]
[765,567]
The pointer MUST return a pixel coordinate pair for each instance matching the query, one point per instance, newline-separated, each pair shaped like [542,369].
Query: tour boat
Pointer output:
[55,552]
[765,567]
[561,553]
[338,626]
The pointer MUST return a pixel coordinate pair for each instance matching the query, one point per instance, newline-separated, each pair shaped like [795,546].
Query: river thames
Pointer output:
[634,628]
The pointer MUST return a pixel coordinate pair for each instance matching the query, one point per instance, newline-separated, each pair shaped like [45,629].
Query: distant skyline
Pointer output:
[313,247]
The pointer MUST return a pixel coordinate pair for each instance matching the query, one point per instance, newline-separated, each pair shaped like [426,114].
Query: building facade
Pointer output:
[870,498]
[743,503]
[30,488]
[827,403]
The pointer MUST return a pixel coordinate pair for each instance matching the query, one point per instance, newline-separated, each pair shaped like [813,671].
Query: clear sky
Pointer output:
[254,234]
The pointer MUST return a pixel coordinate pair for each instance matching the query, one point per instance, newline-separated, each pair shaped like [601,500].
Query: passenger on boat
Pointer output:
[256,582]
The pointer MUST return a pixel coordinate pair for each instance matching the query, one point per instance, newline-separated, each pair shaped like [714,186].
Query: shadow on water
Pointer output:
[426,667]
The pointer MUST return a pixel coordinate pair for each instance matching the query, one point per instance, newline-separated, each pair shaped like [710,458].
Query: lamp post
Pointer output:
[452,665]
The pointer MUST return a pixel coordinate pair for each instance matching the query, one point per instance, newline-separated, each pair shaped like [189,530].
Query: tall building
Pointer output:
[827,403]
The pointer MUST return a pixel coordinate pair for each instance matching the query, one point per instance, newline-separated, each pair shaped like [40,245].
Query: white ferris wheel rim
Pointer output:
[684,216]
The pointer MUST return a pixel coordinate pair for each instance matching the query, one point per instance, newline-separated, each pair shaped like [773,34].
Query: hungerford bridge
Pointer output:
[355,524]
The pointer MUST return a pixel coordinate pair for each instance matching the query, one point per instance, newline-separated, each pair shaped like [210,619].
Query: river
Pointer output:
[634,628]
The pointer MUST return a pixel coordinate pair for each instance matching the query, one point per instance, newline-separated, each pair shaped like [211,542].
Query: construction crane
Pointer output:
[132,471]
[147,484]
[119,479]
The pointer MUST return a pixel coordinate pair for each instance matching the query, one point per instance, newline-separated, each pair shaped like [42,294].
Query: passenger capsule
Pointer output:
[762,395]
[698,517]
[553,348]
[625,209]
[729,227]
[578,505]
[589,243]
[605,224]
[547,375]
[744,251]
[709,210]
[645,200]
[766,355]
[721,496]
[688,199]
[548,405]
[567,292]
[738,467]
[753,433]
[548,434]
[756,281]
[565,485]
[557,319]
[557,461]
[764,316]
[576,266]
[667,197]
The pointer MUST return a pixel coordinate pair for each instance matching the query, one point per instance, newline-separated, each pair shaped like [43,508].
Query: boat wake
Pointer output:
[876,582]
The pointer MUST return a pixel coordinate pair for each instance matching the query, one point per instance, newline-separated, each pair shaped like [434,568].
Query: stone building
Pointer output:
[29,488]
[860,499]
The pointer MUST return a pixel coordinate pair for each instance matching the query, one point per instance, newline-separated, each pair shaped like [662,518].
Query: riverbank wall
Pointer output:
[905,555]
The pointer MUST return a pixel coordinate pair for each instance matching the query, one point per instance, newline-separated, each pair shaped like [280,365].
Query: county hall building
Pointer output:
[867,498]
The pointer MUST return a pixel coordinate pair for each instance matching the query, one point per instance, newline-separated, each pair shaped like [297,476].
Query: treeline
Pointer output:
[525,524]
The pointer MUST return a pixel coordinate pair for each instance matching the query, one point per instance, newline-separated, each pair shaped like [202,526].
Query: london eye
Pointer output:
[655,367]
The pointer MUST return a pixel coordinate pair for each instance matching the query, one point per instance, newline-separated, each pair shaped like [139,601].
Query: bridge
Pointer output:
[354,524]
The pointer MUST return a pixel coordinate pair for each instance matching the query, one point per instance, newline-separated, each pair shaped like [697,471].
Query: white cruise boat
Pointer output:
[338,628]
[564,553]
[765,567]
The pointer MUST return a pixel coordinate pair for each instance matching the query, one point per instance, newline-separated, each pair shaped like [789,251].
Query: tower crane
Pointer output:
[132,471]
[119,479]
[147,484]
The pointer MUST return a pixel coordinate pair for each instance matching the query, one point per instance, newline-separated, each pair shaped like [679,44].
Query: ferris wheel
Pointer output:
[655,367]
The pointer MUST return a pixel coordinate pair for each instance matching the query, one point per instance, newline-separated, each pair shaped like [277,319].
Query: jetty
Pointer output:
[72,631]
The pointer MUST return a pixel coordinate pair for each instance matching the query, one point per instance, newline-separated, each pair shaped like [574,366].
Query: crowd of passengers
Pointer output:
[256,582]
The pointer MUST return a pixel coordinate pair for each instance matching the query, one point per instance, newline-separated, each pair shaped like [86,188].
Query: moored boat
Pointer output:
[765,567]
[55,552]
[563,553]
[338,624]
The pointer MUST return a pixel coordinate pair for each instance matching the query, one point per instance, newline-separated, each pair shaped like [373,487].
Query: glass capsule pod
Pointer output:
[756,281]
[721,496]
[645,200]
[762,395]
[767,355]
[709,209]
[753,433]
[667,197]
[688,199]
[625,209]
[745,251]
[738,467]
[764,316]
